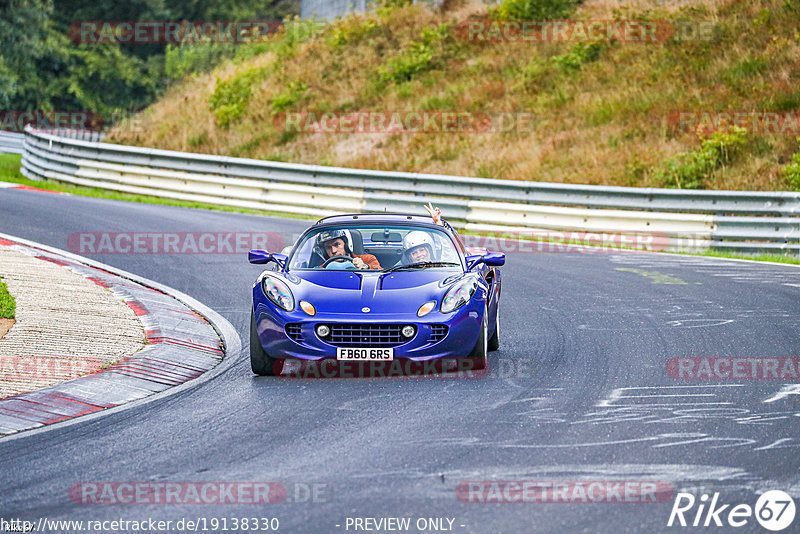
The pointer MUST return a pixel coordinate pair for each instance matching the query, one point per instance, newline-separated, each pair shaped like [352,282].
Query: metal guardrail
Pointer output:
[330,9]
[11,142]
[730,220]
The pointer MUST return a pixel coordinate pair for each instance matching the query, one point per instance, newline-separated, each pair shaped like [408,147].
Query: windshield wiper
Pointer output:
[419,265]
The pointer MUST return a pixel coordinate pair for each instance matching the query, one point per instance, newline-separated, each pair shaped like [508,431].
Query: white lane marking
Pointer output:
[777,445]
[4,185]
[786,390]
[680,395]
[684,438]
[618,394]
[683,404]
[708,322]
[534,399]
[570,445]
[684,387]
[735,442]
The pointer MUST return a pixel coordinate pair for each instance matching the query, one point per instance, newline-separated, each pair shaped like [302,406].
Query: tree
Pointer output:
[42,70]
[23,32]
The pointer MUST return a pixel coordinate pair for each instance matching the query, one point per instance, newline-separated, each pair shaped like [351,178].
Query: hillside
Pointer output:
[587,112]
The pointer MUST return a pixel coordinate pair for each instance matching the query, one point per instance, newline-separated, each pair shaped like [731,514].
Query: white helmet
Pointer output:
[416,239]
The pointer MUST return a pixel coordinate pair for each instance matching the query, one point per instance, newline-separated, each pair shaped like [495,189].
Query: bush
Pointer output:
[230,97]
[792,170]
[580,54]
[536,76]
[417,58]
[413,61]
[190,58]
[534,9]
[690,169]
[352,30]
[295,91]
[7,304]
[385,8]
[296,32]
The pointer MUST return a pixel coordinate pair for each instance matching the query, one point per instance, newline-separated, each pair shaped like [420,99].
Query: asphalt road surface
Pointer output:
[580,390]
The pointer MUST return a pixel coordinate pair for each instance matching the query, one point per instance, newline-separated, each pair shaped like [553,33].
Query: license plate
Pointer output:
[365,354]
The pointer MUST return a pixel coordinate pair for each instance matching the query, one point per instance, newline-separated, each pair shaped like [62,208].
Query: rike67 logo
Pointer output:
[774,510]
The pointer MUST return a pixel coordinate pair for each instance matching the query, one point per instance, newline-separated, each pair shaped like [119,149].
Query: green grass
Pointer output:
[775,258]
[9,172]
[9,167]
[8,306]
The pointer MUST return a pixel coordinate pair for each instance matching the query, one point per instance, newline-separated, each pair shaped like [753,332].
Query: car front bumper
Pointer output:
[463,330]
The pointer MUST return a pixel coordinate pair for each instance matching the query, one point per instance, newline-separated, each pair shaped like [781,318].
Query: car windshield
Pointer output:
[375,248]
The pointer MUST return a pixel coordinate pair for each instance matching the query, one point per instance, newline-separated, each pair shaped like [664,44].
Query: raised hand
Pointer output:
[436,213]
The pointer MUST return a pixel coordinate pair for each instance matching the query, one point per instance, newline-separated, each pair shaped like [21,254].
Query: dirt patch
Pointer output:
[5,325]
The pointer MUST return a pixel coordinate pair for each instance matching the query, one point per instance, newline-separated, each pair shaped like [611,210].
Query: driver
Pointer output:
[417,248]
[332,243]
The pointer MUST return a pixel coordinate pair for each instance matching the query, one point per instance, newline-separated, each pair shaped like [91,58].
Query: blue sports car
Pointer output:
[375,288]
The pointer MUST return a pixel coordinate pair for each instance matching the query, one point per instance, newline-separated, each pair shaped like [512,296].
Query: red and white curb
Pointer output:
[184,340]
[10,185]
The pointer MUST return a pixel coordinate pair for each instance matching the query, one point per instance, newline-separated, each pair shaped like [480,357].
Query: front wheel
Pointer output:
[260,362]
[479,353]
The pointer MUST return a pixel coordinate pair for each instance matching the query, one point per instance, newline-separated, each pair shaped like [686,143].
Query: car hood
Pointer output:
[348,292]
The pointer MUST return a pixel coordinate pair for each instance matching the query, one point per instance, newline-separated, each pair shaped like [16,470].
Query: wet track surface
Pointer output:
[579,391]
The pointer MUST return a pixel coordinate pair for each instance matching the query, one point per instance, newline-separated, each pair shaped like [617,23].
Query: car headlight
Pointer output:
[278,292]
[458,295]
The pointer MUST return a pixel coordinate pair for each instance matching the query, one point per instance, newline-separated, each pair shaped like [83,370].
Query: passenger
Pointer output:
[417,248]
[332,243]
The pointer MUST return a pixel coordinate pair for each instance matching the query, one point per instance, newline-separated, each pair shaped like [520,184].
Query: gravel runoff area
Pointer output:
[66,325]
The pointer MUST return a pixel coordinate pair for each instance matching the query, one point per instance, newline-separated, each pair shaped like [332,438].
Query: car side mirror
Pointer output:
[492,259]
[262,256]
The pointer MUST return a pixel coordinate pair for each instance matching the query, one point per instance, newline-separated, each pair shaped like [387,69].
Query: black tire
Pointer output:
[260,362]
[479,353]
[494,340]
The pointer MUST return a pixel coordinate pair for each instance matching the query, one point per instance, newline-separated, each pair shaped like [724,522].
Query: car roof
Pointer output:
[359,218]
